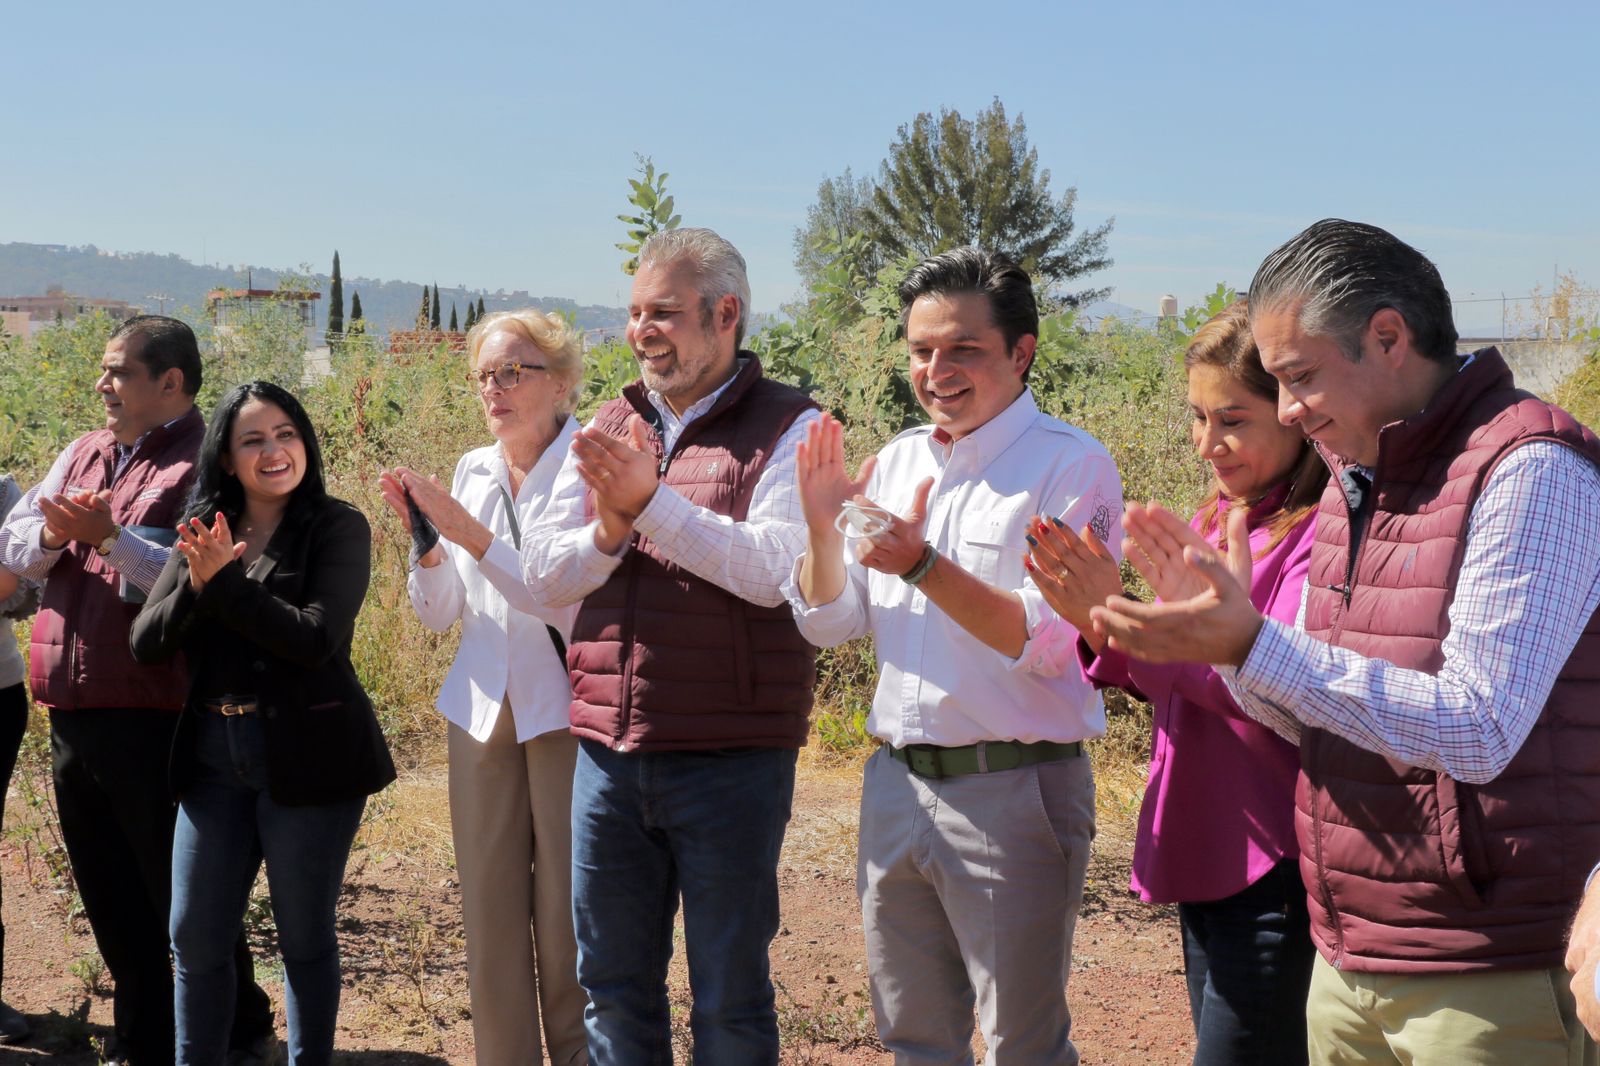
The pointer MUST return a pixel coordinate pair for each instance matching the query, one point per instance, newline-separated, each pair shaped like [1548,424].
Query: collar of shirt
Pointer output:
[672,426]
[125,452]
[973,453]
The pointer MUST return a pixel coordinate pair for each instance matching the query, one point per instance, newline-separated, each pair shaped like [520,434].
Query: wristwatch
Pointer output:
[104,547]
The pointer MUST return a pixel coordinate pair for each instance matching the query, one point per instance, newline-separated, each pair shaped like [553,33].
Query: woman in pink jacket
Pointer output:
[1216,830]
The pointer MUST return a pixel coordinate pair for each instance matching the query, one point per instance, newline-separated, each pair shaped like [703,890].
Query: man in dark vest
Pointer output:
[87,532]
[675,521]
[1444,679]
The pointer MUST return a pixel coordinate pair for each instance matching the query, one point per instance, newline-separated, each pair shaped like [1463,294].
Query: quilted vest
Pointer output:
[663,660]
[1410,870]
[78,655]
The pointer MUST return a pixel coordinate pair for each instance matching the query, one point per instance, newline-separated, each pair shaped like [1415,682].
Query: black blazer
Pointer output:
[287,630]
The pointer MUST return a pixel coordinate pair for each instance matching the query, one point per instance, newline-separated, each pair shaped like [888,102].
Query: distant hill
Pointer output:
[139,277]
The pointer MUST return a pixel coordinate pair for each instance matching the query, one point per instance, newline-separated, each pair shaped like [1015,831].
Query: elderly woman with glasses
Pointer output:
[506,696]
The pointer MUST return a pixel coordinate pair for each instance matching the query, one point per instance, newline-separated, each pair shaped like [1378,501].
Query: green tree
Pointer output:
[838,216]
[480,310]
[422,312]
[949,181]
[453,327]
[654,206]
[335,305]
[357,323]
[433,317]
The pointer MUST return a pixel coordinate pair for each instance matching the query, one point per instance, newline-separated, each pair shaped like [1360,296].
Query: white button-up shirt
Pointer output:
[506,652]
[937,683]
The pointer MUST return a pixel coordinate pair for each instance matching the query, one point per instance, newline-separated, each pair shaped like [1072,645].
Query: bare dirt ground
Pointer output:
[405,1001]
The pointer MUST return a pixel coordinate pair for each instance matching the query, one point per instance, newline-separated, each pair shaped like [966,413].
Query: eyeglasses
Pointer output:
[506,375]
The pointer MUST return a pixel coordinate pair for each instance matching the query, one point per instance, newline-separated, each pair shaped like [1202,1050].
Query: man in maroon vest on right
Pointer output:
[1444,680]
[675,520]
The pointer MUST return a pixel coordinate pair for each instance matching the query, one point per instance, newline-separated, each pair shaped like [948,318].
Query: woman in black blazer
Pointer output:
[278,747]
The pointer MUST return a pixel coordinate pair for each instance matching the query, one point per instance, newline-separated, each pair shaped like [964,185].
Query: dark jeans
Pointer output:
[13,723]
[1247,960]
[646,827]
[227,824]
[110,770]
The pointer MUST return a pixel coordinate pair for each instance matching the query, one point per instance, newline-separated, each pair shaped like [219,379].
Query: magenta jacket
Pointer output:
[1218,809]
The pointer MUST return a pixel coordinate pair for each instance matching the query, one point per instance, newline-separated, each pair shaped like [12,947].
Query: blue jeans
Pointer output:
[1247,960]
[645,827]
[227,823]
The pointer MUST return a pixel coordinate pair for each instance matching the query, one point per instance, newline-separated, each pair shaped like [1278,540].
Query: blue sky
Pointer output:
[489,146]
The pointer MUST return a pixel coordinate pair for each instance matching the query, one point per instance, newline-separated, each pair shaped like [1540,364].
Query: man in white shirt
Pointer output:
[674,521]
[976,814]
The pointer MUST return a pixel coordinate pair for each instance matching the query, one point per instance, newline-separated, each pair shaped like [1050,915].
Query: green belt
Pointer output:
[984,757]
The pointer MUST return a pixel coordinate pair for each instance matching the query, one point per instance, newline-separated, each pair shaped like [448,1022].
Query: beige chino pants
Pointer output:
[511,820]
[1514,1018]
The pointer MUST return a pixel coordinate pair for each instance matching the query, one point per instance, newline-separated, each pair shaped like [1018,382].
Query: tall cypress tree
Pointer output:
[422,312]
[357,324]
[433,320]
[480,307]
[472,317]
[453,327]
[335,305]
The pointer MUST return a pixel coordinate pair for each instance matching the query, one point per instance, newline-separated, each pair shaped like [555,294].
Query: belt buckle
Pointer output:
[234,710]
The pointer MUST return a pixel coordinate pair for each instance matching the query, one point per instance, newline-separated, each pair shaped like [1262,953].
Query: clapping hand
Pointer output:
[83,516]
[453,521]
[621,475]
[1209,619]
[208,549]
[1075,574]
[824,481]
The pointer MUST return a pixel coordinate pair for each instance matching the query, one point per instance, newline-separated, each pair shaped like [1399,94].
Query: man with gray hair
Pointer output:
[1441,681]
[675,520]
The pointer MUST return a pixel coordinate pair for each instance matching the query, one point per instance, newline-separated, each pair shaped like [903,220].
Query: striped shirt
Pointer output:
[1529,582]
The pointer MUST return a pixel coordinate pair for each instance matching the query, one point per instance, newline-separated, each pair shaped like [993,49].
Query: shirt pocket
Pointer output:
[993,544]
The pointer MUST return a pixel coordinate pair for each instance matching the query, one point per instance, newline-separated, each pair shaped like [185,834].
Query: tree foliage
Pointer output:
[422,312]
[950,181]
[454,328]
[654,212]
[357,323]
[335,304]
[433,315]
[838,217]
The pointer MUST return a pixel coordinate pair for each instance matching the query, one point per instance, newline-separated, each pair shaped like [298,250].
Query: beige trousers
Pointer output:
[511,819]
[1513,1018]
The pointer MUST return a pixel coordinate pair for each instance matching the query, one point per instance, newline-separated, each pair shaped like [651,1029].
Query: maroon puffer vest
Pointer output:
[78,656]
[663,660]
[1409,870]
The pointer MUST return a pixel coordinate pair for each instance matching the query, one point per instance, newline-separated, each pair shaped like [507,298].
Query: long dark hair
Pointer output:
[1225,342]
[217,490]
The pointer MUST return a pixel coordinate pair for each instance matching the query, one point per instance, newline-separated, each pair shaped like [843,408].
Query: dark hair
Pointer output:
[1225,342]
[217,490]
[1345,272]
[969,269]
[164,343]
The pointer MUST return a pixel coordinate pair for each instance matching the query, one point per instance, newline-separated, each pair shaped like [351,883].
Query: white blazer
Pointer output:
[506,651]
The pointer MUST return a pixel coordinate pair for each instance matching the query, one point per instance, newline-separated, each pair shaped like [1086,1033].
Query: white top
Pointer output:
[750,559]
[937,683]
[497,613]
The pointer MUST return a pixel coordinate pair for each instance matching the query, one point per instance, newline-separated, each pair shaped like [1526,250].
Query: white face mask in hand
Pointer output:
[860,521]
